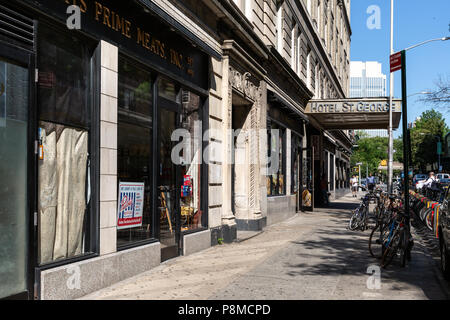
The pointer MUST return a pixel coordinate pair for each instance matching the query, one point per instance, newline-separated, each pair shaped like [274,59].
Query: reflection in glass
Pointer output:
[191,213]
[13,173]
[276,181]
[64,78]
[134,154]
[167,89]
[167,181]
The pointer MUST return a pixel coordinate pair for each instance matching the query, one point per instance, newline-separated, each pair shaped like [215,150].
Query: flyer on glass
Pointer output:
[130,205]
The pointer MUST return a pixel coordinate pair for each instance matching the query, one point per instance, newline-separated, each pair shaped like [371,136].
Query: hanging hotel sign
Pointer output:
[349,106]
[128,26]
[130,205]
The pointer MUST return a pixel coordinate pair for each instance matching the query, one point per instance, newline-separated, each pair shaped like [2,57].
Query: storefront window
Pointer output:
[191,210]
[167,90]
[296,159]
[134,167]
[64,141]
[276,140]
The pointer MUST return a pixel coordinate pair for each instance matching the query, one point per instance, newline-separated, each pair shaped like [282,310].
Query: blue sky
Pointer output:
[414,21]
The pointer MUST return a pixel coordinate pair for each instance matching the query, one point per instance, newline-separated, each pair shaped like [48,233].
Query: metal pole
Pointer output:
[405,139]
[359,171]
[439,156]
[391,93]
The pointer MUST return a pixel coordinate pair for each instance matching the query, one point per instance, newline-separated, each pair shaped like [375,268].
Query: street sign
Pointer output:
[396,61]
[439,148]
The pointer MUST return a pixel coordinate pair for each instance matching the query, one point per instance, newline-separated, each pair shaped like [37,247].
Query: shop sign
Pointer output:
[126,25]
[130,205]
[353,106]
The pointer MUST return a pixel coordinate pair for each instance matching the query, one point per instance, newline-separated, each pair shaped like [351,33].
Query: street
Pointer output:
[310,256]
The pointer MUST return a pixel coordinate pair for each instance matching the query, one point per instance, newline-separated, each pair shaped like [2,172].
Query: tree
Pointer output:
[428,130]
[370,151]
[440,97]
[398,150]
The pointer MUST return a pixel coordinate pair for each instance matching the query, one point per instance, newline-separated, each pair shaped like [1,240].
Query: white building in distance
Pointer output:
[368,81]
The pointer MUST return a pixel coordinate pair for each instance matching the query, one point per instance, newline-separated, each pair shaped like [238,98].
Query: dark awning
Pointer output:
[289,108]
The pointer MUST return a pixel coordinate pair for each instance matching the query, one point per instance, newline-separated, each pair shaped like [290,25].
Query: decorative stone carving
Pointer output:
[241,83]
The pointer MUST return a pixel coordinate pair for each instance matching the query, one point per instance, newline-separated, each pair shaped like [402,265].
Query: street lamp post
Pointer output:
[359,172]
[391,94]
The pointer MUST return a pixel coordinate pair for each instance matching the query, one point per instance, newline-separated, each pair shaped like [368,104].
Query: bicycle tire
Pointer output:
[429,220]
[353,223]
[390,251]
[375,243]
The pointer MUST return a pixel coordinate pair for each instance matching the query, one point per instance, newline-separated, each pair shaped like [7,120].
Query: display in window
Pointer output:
[190,206]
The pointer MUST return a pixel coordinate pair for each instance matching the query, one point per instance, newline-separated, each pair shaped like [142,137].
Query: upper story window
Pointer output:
[280,27]
[245,7]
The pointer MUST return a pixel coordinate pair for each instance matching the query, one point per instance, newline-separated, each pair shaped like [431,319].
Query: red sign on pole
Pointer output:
[396,61]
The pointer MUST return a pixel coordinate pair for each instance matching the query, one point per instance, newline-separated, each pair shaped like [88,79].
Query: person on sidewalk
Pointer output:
[354,186]
[371,182]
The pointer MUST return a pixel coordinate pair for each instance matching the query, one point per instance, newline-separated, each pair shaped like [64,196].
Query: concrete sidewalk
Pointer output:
[310,256]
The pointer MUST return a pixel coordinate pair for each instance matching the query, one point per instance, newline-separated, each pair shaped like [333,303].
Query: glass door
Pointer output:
[169,187]
[14,163]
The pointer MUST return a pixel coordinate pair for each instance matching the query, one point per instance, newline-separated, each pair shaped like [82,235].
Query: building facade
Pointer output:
[93,118]
[367,80]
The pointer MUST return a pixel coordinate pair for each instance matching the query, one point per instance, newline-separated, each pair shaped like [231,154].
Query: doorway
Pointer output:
[16,172]
[169,186]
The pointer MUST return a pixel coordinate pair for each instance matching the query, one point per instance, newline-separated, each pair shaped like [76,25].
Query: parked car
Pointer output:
[445,182]
[443,176]
[444,235]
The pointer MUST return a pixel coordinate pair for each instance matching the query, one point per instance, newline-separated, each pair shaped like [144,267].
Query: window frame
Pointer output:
[93,216]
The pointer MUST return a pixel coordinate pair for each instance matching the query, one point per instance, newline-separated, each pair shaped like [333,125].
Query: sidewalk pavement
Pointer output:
[310,256]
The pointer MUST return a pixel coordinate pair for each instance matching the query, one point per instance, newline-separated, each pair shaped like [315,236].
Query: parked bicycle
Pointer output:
[396,240]
[359,219]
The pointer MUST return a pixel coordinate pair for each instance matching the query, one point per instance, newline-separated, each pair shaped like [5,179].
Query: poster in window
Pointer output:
[130,205]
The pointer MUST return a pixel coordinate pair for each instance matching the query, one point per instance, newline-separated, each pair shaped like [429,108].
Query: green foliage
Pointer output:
[424,137]
[398,150]
[370,151]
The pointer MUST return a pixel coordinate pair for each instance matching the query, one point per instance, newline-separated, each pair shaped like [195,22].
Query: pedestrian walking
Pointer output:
[354,185]
[371,182]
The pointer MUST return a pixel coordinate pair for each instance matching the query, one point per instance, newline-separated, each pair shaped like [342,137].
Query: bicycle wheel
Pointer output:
[375,243]
[353,223]
[391,250]
[422,213]
[429,220]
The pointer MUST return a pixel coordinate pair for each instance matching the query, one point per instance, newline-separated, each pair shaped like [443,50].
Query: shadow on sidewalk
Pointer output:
[339,251]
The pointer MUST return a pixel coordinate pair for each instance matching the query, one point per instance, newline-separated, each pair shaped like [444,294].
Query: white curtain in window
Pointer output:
[71,167]
[48,197]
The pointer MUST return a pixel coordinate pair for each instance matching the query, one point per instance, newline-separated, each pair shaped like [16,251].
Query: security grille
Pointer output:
[16,28]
